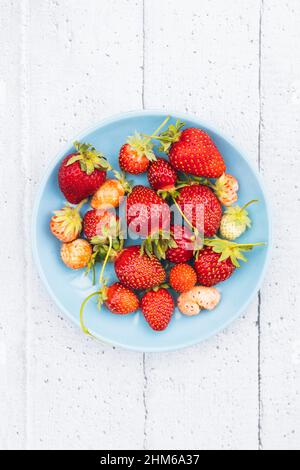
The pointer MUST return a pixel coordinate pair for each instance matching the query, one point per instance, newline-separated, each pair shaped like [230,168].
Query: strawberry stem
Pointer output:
[82,325]
[99,292]
[94,275]
[105,261]
[158,129]
[194,229]
[249,204]
[249,245]
[79,206]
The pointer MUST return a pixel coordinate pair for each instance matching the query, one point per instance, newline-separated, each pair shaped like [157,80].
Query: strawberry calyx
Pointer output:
[239,215]
[70,219]
[142,146]
[126,185]
[157,288]
[170,136]
[193,180]
[89,159]
[232,250]
[158,243]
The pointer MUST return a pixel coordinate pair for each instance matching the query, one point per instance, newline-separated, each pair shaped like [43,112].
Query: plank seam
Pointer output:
[145,402]
[24,111]
[145,377]
[260,405]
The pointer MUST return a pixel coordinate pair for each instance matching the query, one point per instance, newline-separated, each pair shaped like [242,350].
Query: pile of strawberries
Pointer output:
[190,254]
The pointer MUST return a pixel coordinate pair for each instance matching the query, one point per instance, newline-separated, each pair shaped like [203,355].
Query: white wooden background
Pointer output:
[65,65]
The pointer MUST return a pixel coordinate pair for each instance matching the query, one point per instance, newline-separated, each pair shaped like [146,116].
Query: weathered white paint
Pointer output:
[64,66]
[12,220]
[280,155]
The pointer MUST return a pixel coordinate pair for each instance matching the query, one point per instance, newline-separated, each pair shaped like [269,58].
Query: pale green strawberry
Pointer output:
[235,221]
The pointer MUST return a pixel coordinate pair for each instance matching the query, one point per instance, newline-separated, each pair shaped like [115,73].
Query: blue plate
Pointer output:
[69,288]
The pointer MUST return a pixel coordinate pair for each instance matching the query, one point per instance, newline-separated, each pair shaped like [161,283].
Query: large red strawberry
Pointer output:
[82,173]
[219,259]
[201,207]
[135,156]
[161,175]
[185,246]
[147,213]
[192,151]
[121,300]
[158,307]
[138,271]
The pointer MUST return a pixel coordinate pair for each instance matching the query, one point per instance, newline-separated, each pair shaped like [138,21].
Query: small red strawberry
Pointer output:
[161,175]
[183,277]
[135,156]
[147,213]
[97,223]
[219,259]
[184,250]
[121,300]
[138,271]
[201,207]
[192,151]
[82,173]
[158,307]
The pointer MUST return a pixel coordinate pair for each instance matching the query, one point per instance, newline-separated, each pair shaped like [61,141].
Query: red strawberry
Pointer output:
[117,298]
[82,173]
[210,270]
[135,156]
[183,277]
[138,271]
[97,223]
[121,300]
[158,308]
[161,175]
[201,207]
[147,213]
[192,151]
[184,251]
[135,160]
[219,259]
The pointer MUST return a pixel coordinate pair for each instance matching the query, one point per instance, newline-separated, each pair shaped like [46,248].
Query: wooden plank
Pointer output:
[202,57]
[13,228]
[85,61]
[280,163]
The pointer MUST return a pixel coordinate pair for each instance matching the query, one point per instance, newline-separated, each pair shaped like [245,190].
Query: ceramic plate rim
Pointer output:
[110,120]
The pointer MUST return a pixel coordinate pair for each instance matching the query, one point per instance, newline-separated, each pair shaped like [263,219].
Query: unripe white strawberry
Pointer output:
[226,189]
[66,224]
[235,222]
[77,254]
[191,303]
